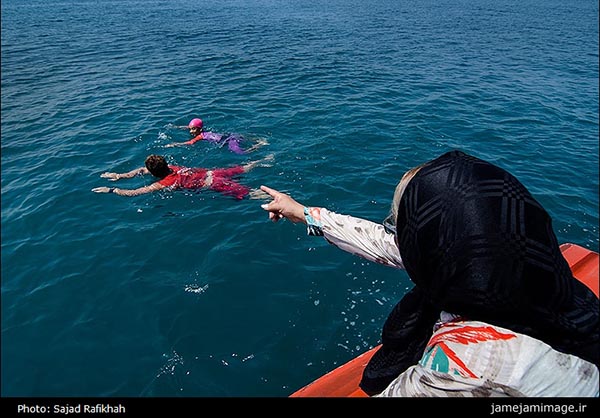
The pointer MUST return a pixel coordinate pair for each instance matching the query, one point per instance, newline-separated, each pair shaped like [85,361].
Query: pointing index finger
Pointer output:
[272,192]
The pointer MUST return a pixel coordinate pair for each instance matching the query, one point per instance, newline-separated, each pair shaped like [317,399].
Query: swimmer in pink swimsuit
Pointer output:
[233,141]
[177,177]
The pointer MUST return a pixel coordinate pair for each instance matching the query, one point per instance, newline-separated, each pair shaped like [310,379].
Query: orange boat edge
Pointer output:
[343,381]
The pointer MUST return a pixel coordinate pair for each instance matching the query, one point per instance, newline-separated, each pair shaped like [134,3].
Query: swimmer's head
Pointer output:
[195,124]
[157,166]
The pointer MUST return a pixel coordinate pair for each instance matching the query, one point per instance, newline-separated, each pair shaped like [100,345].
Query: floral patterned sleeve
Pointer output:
[357,236]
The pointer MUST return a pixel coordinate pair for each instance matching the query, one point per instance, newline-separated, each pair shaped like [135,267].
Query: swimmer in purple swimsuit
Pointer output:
[233,141]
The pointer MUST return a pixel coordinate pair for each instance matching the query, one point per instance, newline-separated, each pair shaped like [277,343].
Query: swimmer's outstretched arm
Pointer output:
[190,142]
[128,175]
[174,144]
[129,192]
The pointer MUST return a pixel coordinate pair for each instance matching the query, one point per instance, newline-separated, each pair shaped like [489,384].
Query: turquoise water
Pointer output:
[197,294]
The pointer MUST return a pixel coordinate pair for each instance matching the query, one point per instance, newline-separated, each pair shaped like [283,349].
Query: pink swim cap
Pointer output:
[195,123]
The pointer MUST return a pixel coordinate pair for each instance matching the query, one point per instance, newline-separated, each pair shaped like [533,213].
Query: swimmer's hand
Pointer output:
[173,144]
[283,206]
[102,189]
[110,176]
[173,126]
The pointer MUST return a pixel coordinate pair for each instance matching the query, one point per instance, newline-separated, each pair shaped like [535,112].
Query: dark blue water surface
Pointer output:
[198,294]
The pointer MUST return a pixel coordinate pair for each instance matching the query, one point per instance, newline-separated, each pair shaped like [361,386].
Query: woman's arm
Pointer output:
[128,175]
[129,192]
[355,235]
[358,236]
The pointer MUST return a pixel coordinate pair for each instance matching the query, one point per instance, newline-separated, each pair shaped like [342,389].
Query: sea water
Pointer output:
[196,294]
